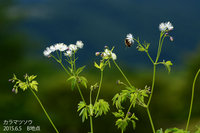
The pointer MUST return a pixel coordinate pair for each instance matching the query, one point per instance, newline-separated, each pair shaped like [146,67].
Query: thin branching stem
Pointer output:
[123,74]
[100,83]
[192,98]
[44,111]
[91,123]
[153,83]
[80,93]
[151,121]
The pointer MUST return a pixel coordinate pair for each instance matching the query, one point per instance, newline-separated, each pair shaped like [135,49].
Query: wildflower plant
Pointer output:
[130,94]
[31,84]
[135,95]
[94,108]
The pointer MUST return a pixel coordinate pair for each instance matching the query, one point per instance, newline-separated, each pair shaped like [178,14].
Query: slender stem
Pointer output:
[150,57]
[123,74]
[99,86]
[64,68]
[188,121]
[80,93]
[91,125]
[150,120]
[129,108]
[152,87]
[44,110]
[159,47]
[122,131]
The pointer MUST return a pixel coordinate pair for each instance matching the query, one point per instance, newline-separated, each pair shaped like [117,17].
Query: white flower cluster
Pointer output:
[129,38]
[166,26]
[63,47]
[107,54]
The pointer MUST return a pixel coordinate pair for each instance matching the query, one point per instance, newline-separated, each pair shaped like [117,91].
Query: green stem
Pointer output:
[44,110]
[99,86]
[80,92]
[150,120]
[149,101]
[150,57]
[152,87]
[122,131]
[64,68]
[188,121]
[91,125]
[123,74]
[160,45]
[129,108]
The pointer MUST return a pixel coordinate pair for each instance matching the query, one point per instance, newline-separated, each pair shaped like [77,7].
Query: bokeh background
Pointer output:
[27,27]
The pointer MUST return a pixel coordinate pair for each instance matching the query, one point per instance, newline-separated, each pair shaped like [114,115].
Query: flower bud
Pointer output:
[105,47]
[166,33]
[118,82]
[97,53]
[171,38]
[13,90]
[129,113]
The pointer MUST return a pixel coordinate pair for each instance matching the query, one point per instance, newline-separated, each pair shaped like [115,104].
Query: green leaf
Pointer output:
[83,81]
[32,77]
[175,130]
[133,117]
[84,114]
[122,124]
[134,124]
[101,107]
[79,70]
[133,98]
[91,109]
[96,65]
[159,131]
[23,86]
[168,65]
[141,48]
[34,85]
[118,114]
[73,81]
[82,107]
[71,78]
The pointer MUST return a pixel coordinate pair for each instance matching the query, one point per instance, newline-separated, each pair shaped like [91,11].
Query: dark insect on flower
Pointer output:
[129,40]
[128,43]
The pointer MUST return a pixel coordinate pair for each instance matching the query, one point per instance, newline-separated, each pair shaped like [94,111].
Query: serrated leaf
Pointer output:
[133,98]
[79,70]
[83,81]
[122,124]
[118,114]
[23,86]
[73,81]
[168,65]
[32,77]
[81,105]
[84,114]
[101,107]
[34,85]
[91,109]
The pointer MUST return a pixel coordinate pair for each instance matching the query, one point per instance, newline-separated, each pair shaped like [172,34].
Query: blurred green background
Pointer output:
[27,27]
